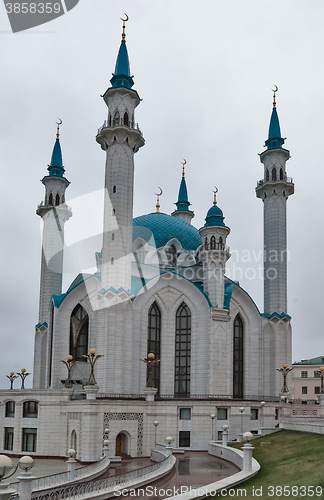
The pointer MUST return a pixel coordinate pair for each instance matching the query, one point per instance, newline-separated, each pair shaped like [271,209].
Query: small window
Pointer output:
[50,199]
[220,244]
[184,439]
[254,413]
[8,438]
[112,261]
[277,414]
[57,199]
[220,435]
[113,236]
[221,413]
[206,244]
[126,121]
[213,243]
[316,375]
[267,175]
[274,174]
[114,189]
[116,118]
[185,413]
[171,255]
[304,374]
[113,211]
[29,439]
[10,409]
[317,389]
[281,174]
[109,125]
[30,410]
[304,390]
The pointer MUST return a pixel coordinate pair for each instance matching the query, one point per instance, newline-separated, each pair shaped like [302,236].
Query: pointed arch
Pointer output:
[274,174]
[267,175]
[116,118]
[220,244]
[126,119]
[109,120]
[74,440]
[238,340]
[281,174]
[182,351]
[79,332]
[206,243]
[57,199]
[213,243]
[154,340]
[50,199]
[171,255]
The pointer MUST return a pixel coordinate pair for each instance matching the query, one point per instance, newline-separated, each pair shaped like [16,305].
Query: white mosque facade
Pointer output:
[160,288]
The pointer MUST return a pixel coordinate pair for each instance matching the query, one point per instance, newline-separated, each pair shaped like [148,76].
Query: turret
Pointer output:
[214,254]
[274,190]
[183,204]
[121,138]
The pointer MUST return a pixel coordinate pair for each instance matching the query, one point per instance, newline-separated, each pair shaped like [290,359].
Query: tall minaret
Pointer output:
[121,138]
[183,204]
[54,213]
[214,254]
[274,189]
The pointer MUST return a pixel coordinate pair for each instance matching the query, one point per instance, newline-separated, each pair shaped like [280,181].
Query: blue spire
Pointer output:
[274,140]
[122,76]
[183,202]
[56,166]
[214,215]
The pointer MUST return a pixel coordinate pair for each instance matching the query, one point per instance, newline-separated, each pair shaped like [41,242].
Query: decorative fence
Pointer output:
[108,485]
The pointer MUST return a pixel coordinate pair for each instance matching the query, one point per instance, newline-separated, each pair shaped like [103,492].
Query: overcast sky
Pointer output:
[204,71]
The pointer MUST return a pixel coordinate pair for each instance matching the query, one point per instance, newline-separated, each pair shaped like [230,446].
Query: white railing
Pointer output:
[110,484]
[54,480]
[131,125]
[304,420]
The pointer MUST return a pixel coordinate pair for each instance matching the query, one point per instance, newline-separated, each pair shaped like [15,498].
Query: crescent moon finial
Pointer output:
[158,200]
[124,21]
[184,162]
[215,192]
[58,128]
[274,96]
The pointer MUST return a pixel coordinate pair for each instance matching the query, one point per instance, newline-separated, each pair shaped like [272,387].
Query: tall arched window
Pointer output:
[109,120]
[206,243]
[172,255]
[213,243]
[182,351]
[79,327]
[57,199]
[116,118]
[238,357]
[274,174]
[281,174]
[126,120]
[154,339]
[114,189]
[50,199]
[220,243]
[267,175]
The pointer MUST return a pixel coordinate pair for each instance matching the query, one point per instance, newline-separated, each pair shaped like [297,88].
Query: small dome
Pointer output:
[214,217]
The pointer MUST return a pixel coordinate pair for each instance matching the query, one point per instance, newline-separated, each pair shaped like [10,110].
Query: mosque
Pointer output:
[159,289]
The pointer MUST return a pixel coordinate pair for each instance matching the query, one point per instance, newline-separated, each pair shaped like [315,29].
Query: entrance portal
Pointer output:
[121,444]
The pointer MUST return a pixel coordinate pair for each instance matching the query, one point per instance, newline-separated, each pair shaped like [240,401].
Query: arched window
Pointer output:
[126,120]
[10,409]
[114,189]
[113,211]
[182,351]
[57,199]
[206,243]
[238,357]
[153,340]
[113,236]
[109,120]
[172,255]
[112,261]
[274,174]
[79,327]
[116,118]
[281,174]
[220,243]
[74,440]
[267,175]
[50,199]
[213,243]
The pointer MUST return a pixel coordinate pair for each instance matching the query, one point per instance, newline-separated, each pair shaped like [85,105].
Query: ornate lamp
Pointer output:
[169,440]
[69,363]
[23,376]
[284,372]
[26,463]
[320,372]
[12,377]
[150,362]
[92,358]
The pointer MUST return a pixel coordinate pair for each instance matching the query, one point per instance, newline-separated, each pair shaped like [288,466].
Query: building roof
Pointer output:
[274,140]
[56,168]
[313,361]
[163,228]
[122,76]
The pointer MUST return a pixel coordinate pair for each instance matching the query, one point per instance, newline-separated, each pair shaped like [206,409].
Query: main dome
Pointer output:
[164,227]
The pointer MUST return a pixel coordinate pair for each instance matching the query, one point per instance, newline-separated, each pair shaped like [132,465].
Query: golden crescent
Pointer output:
[159,194]
[183,163]
[60,122]
[216,190]
[276,89]
[124,20]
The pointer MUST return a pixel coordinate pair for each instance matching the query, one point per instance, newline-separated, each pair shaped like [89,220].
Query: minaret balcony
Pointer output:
[285,179]
[282,187]
[109,133]
[118,123]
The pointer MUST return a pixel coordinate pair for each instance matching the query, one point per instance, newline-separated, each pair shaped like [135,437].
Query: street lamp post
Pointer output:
[156,423]
[212,416]
[150,362]
[241,409]
[69,363]
[92,358]
[23,376]
[284,370]
[262,414]
[12,377]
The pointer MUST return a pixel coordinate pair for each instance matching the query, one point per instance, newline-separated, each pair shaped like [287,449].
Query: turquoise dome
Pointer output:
[163,228]
[214,217]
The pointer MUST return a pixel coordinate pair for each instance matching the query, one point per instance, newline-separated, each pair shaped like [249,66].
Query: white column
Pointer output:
[25,485]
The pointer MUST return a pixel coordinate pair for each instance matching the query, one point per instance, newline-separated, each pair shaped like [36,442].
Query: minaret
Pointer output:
[183,204]
[121,138]
[274,189]
[54,213]
[214,254]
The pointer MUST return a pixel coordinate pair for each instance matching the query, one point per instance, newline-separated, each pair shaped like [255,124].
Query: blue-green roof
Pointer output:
[163,228]
[313,361]
[56,166]
[214,217]
[122,76]
[275,140]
